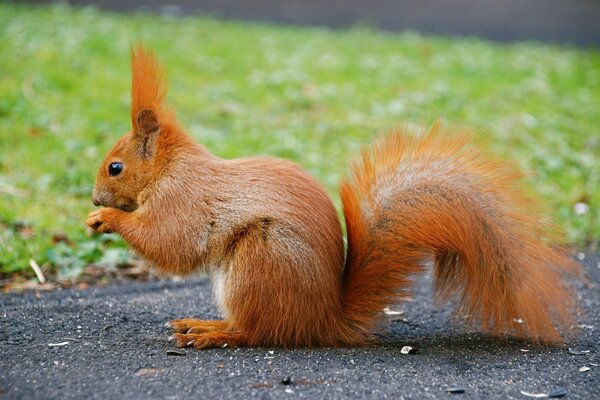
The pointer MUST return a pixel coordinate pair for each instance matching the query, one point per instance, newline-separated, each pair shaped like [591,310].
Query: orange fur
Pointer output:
[269,237]
[148,90]
[190,325]
[411,198]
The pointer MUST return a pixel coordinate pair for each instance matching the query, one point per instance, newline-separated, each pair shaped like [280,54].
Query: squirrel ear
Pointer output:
[147,130]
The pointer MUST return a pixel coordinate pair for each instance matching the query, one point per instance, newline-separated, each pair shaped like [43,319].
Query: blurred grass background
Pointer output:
[312,95]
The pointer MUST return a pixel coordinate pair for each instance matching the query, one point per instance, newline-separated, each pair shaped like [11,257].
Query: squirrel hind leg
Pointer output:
[210,340]
[191,325]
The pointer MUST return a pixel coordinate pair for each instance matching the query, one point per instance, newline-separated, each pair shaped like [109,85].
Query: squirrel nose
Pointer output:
[95,196]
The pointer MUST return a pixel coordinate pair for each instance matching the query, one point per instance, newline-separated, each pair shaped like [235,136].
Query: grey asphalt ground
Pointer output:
[117,349]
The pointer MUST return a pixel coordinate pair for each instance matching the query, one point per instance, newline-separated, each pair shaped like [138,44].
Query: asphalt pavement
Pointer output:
[111,343]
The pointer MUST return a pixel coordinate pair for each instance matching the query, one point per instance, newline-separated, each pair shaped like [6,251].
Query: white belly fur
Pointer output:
[218,279]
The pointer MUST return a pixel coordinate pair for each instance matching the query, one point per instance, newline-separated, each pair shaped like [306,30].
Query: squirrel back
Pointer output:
[270,239]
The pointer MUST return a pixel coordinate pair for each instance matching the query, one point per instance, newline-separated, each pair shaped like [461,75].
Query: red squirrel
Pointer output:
[269,237]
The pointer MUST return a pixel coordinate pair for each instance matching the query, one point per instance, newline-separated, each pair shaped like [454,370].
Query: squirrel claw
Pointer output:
[210,340]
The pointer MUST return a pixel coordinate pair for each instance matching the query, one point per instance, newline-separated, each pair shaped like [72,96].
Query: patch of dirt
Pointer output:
[92,275]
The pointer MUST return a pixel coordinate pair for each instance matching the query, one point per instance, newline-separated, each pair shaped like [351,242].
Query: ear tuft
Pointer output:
[147,88]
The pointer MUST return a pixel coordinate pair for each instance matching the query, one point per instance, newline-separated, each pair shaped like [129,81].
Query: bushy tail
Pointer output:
[413,198]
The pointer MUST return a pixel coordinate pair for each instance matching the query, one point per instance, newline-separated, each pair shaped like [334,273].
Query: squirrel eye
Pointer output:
[115,168]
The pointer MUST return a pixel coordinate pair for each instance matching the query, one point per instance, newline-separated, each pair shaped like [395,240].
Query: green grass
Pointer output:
[312,95]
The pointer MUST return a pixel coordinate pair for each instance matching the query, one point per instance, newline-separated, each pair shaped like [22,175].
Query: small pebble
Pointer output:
[585,326]
[584,369]
[408,350]
[387,311]
[58,344]
[287,380]
[455,389]
[558,392]
[534,395]
[577,352]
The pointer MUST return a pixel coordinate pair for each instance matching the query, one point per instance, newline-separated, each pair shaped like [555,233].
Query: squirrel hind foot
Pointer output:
[210,340]
[191,325]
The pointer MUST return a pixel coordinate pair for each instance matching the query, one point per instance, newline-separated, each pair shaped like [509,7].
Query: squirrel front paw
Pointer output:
[102,220]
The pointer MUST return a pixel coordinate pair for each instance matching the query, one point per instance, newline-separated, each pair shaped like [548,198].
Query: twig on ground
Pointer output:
[38,271]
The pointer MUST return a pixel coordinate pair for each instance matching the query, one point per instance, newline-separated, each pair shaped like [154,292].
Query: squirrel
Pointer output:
[269,237]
